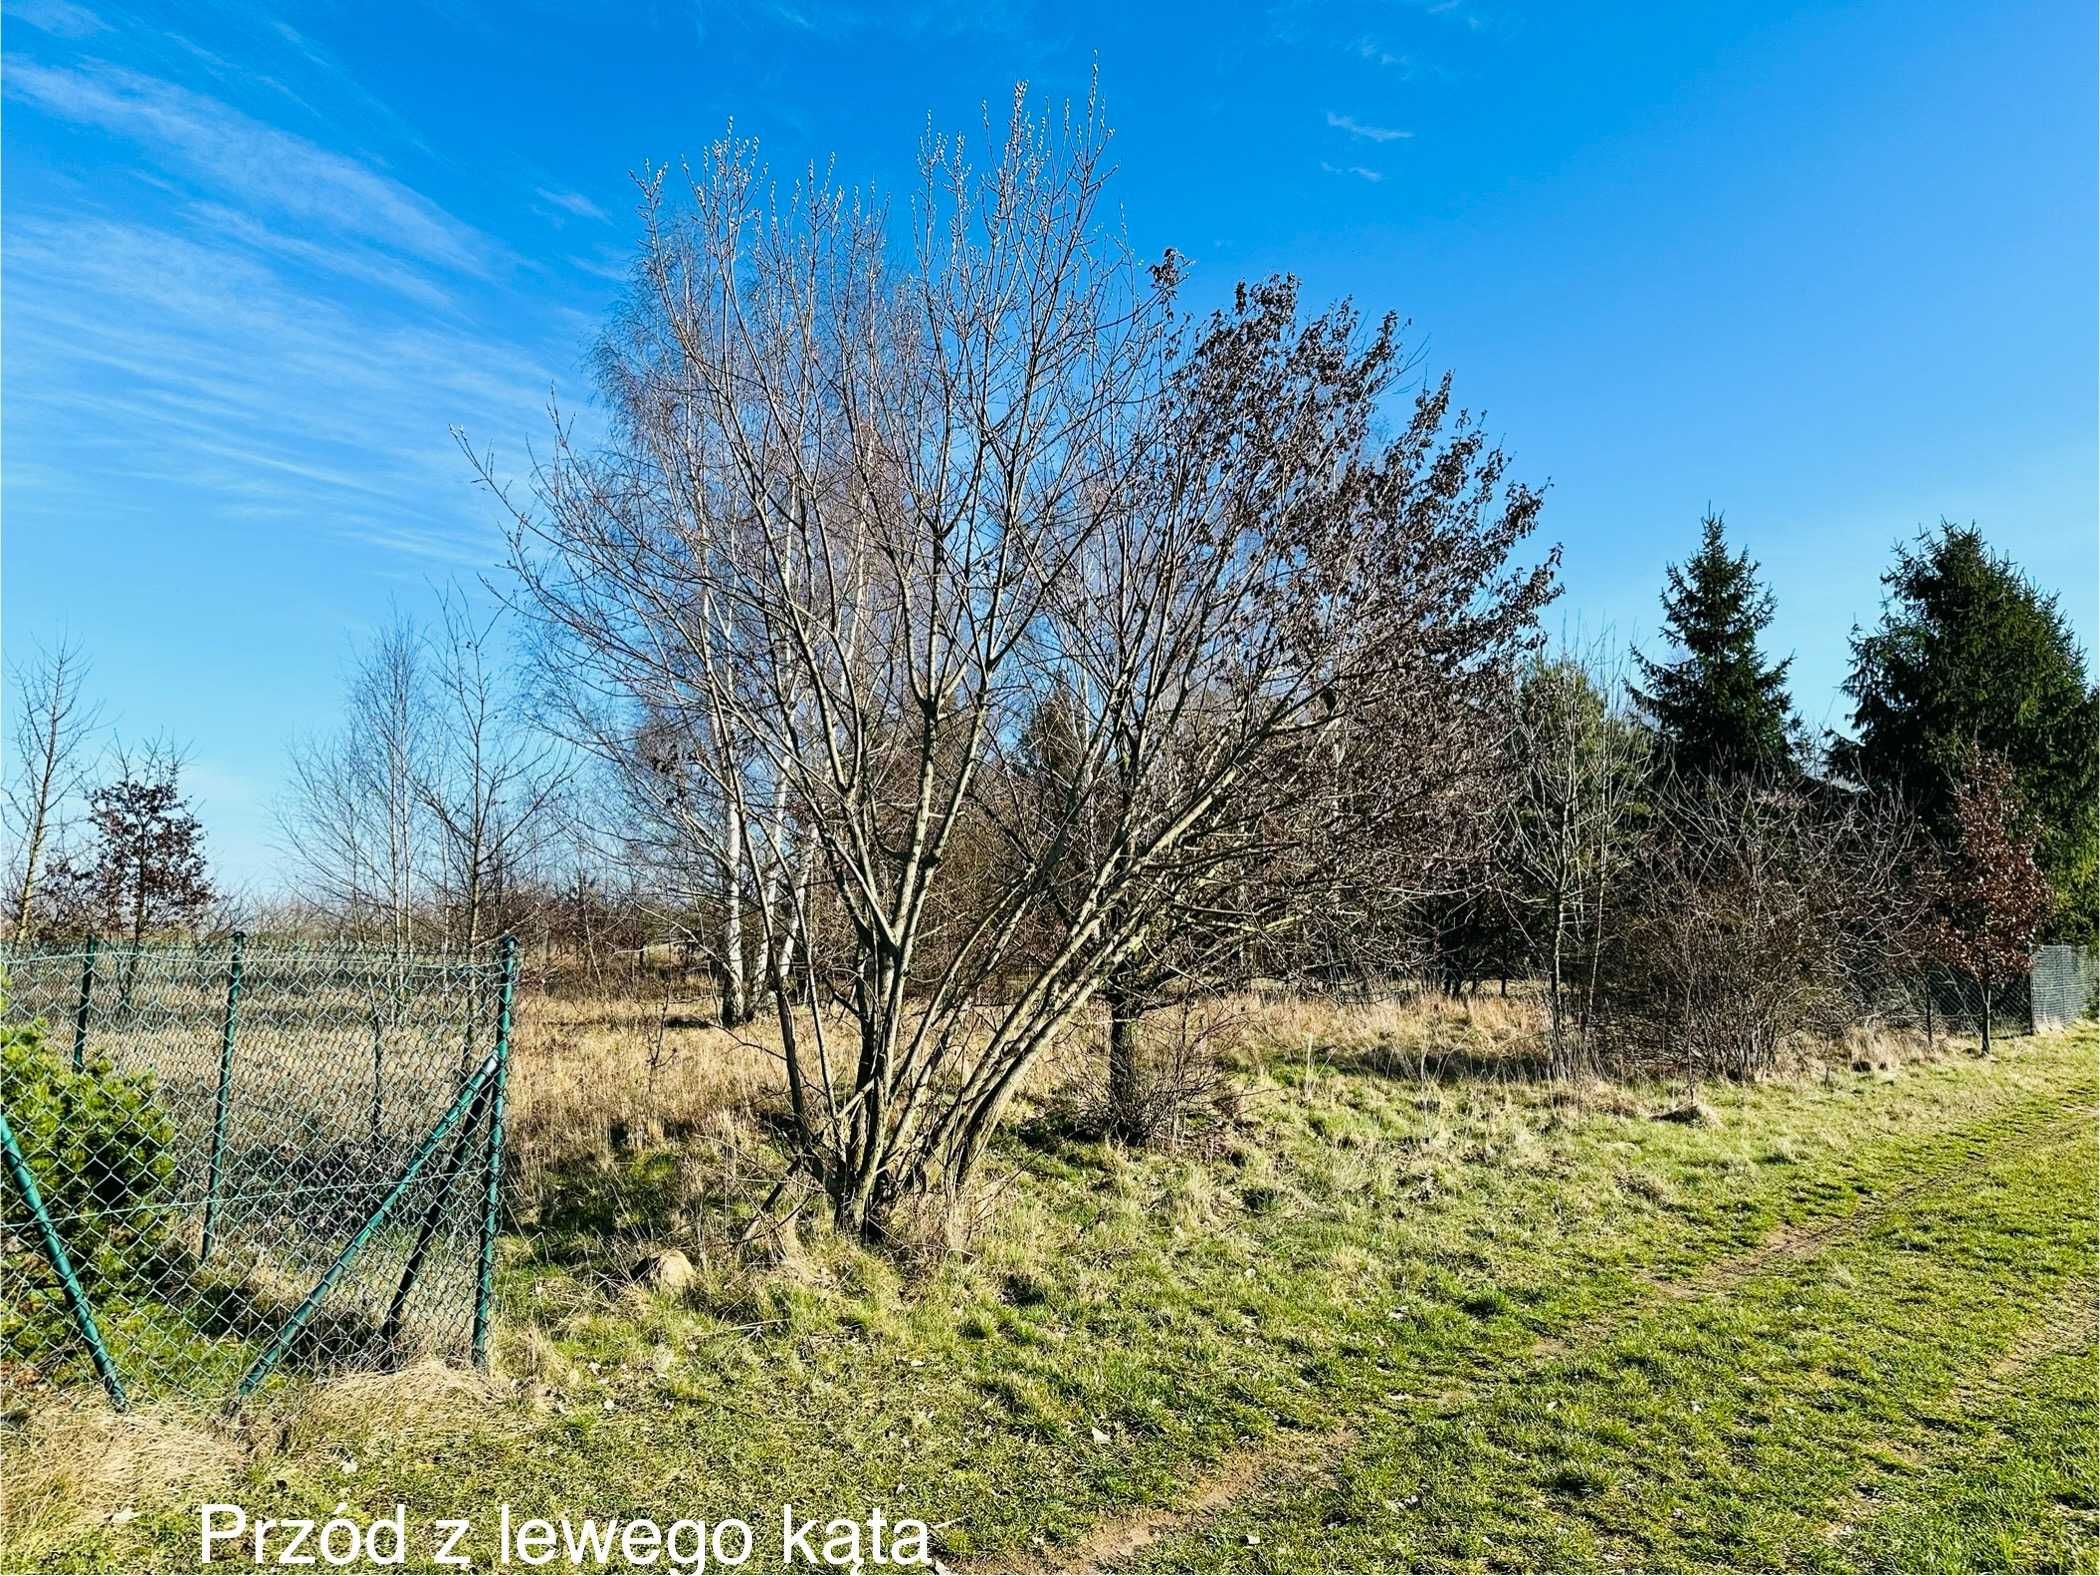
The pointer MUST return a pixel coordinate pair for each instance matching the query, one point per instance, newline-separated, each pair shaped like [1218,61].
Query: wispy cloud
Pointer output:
[369,110]
[197,360]
[299,41]
[1406,66]
[60,17]
[605,266]
[259,165]
[839,19]
[1358,170]
[1357,128]
[240,323]
[1459,11]
[351,261]
[572,202]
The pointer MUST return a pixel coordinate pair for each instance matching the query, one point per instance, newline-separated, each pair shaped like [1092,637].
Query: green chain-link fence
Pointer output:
[233,1163]
[2056,991]
[2064,986]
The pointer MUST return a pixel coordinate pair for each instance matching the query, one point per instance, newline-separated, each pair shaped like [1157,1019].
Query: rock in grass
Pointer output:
[668,1271]
[1696,1114]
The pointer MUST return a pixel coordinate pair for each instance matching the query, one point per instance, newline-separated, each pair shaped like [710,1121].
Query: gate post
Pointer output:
[492,1173]
[224,1100]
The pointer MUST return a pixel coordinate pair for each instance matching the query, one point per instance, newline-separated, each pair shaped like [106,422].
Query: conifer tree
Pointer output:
[1717,707]
[1971,654]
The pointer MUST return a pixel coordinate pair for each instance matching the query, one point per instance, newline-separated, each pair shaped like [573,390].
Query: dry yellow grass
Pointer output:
[1880,1049]
[597,1076]
[69,1468]
[427,1400]
[1393,1031]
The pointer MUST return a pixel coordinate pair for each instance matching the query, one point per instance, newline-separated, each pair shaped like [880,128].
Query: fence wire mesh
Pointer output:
[2064,987]
[232,1164]
[2056,991]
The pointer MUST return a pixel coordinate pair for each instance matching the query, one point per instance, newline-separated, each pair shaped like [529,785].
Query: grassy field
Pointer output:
[1845,1320]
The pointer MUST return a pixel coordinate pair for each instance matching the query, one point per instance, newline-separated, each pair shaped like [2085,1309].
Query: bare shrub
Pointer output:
[1172,1089]
[1760,912]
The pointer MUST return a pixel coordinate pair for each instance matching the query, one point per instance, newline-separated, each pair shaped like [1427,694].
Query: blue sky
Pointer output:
[1830,268]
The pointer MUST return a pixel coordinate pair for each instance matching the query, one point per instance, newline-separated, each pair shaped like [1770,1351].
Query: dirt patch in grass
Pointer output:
[1116,1542]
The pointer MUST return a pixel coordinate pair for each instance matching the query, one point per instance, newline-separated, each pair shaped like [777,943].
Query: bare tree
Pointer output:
[53,728]
[357,820]
[1578,766]
[489,782]
[861,519]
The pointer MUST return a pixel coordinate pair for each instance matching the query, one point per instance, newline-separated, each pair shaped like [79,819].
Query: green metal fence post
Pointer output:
[225,1098]
[492,1176]
[61,1265]
[468,1096]
[87,998]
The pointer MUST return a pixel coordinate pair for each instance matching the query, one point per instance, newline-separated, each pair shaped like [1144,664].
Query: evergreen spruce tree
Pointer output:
[1718,708]
[1970,654]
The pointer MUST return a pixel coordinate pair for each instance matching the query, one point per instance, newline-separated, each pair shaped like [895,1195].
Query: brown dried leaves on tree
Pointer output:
[142,871]
[1991,899]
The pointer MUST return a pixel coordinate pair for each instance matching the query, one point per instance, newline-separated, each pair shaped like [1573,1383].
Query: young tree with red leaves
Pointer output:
[1993,898]
[144,870]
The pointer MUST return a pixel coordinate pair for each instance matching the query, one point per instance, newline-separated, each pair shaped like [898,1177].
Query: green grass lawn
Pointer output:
[1848,1324]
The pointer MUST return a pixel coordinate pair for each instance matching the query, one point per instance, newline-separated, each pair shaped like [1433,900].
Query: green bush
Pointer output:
[98,1144]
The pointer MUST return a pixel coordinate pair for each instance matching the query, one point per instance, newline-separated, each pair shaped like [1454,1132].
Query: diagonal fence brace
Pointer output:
[433,1215]
[61,1265]
[469,1095]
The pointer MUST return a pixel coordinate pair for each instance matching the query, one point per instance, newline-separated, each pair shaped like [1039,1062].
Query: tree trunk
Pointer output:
[1124,1096]
[33,846]
[735,998]
[1556,988]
